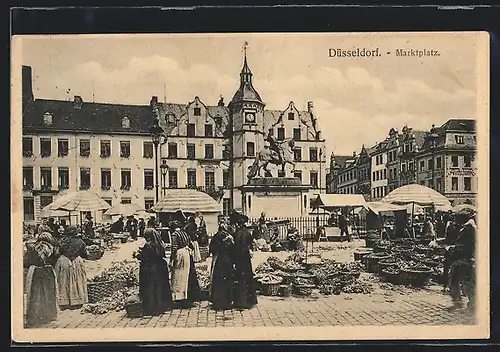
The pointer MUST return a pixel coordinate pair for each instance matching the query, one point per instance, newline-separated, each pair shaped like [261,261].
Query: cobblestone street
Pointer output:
[382,307]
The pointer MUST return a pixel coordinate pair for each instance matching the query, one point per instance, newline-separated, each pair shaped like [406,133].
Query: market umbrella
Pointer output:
[187,200]
[47,212]
[124,209]
[79,201]
[416,194]
[458,208]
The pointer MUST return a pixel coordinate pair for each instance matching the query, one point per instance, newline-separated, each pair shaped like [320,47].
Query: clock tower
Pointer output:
[246,112]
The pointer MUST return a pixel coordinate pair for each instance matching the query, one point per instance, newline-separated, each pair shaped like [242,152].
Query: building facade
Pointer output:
[107,148]
[379,182]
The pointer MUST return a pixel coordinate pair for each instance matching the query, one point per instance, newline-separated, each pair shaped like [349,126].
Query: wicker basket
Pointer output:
[95,253]
[285,290]
[134,310]
[270,289]
[99,290]
[414,277]
[383,264]
[303,290]
[287,278]
[373,259]
[388,276]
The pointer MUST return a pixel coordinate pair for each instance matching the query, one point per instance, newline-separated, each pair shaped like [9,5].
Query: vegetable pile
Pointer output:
[116,302]
[124,271]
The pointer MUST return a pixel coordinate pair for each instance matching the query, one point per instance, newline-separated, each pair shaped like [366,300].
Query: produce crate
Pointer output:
[285,290]
[416,277]
[100,290]
[270,289]
[391,277]
[134,310]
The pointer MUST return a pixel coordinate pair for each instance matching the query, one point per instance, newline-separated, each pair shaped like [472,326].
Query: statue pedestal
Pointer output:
[280,197]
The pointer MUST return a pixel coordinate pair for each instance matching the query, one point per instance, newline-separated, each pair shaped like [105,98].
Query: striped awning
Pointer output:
[79,201]
[417,194]
[187,200]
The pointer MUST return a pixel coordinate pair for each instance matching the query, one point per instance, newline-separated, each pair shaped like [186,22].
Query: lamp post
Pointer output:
[433,136]
[164,169]
[156,133]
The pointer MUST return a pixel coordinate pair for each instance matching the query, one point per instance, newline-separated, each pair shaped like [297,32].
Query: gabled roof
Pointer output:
[341,160]
[464,125]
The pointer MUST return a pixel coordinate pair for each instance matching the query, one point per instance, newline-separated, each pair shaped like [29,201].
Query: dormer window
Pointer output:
[47,119]
[125,122]
[459,139]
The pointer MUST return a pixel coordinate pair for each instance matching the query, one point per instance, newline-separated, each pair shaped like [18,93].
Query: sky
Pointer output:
[356,100]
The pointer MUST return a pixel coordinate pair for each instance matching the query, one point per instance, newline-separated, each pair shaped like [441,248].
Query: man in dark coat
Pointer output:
[343,228]
[245,295]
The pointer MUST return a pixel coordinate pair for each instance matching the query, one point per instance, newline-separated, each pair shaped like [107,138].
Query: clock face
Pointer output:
[250,117]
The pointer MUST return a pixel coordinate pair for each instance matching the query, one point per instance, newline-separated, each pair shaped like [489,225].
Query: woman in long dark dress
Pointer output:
[154,285]
[192,231]
[185,287]
[245,295]
[202,232]
[41,285]
[70,270]
[221,273]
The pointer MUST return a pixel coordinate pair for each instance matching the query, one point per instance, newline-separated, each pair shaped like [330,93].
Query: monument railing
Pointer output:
[306,225]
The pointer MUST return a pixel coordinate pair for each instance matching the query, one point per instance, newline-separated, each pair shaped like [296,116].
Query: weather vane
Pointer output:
[245,47]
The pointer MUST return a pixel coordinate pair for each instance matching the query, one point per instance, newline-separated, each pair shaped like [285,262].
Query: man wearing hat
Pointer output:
[184,282]
[88,226]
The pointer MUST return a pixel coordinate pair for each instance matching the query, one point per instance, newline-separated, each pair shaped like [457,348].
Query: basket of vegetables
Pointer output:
[381,246]
[417,275]
[287,278]
[385,263]
[391,274]
[98,290]
[420,248]
[371,239]
[95,252]
[373,259]
[285,290]
[303,287]
[270,285]
[133,307]
[407,243]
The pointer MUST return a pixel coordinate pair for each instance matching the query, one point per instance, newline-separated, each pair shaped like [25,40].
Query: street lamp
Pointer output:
[433,136]
[164,169]
[156,133]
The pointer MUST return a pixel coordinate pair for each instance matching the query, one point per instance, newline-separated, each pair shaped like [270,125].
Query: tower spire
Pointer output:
[246,74]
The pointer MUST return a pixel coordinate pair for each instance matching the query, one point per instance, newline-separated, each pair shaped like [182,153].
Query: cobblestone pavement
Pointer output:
[383,306]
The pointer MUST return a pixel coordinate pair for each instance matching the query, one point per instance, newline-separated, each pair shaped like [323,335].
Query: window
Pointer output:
[63,177]
[84,178]
[297,154]
[125,122]
[439,184]
[385,174]
[27,178]
[430,164]
[281,133]
[105,149]
[467,161]
[390,174]
[250,149]
[226,152]
[313,154]
[197,111]
[148,179]
[459,139]
[172,150]
[148,203]
[126,179]
[45,200]
[291,116]
[209,151]
[209,130]
[126,200]
[125,149]
[191,130]
[422,165]
[29,209]
[147,150]
[85,147]
[225,179]
[62,147]
[105,179]
[374,176]
[191,151]
[454,183]
[108,200]
[27,146]
[296,134]
[422,183]
[313,177]
[298,174]
[411,166]
[454,161]
[467,184]
[438,162]
[250,201]
[45,147]
[225,206]
[172,179]
[191,178]
[46,177]
[209,179]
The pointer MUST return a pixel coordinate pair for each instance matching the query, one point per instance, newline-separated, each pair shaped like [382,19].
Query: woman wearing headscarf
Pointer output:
[70,270]
[263,229]
[245,293]
[154,285]
[41,285]
[221,273]
[192,231]
[184,283]
[202,231]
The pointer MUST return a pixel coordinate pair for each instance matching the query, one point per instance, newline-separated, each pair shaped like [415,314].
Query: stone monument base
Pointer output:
[280,197]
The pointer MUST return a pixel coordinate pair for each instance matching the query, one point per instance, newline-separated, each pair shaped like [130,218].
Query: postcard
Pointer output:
[238,187]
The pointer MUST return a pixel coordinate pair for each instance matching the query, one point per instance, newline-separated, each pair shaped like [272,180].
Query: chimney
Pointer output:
[153,102]
[310,107]
[221,101]
[77,102]
[354,154]
[27,81]
[318,135]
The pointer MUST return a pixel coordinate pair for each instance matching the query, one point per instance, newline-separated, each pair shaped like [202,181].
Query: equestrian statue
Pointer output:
[275,152]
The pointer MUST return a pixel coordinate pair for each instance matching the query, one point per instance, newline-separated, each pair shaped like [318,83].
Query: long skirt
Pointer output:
[42,295]
[221,282]
[72,282]
[154,287]
[245,295]
[185,286]
[196,252]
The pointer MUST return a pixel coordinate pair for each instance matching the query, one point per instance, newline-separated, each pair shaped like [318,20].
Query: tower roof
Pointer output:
[246,91]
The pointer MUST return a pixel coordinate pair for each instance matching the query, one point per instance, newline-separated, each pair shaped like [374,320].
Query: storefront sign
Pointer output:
[461,172]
